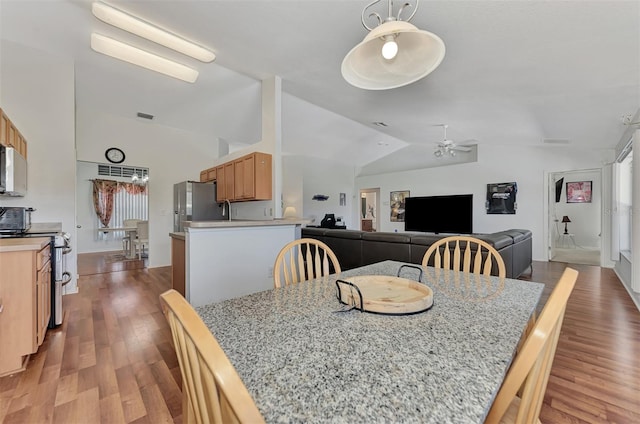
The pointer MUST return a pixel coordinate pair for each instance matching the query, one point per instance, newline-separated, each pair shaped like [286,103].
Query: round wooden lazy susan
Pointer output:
[384,294]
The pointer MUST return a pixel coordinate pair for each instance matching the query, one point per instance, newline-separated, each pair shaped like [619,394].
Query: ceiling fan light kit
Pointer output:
[394,53]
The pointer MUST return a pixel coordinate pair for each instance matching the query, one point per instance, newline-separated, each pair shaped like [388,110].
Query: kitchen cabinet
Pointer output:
[221,193]
[25,299]
[10,136]
[208,175]
[242,179]
[4,128]
[178,263]
[229,184]
[253,177]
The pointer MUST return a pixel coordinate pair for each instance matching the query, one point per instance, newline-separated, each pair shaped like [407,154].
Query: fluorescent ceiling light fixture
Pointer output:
[136,56]
[151,32]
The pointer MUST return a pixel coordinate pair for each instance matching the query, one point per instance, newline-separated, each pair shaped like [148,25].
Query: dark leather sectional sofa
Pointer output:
[358,248]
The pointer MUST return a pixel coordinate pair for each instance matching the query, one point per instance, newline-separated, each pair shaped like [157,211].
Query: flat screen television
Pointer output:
[439,214]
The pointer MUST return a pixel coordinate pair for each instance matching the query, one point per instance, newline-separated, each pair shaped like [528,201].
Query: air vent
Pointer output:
[380,124]
[556,141]
[144,116]
[121,171]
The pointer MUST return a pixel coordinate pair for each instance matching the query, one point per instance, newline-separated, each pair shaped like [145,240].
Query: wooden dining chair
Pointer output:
[529,372]
[126,239]
[464,253]
[212,390]
[303,259]
[142,237]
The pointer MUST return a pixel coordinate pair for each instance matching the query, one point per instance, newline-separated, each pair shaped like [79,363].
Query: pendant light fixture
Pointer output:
[394,53]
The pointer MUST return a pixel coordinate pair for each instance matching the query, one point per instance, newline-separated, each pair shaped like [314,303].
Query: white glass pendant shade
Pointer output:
[419,53]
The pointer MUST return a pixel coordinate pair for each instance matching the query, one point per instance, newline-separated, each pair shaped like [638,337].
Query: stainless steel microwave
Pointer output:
[13,172]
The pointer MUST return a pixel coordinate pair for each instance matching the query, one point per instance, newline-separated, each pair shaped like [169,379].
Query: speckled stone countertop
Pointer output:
[304,362]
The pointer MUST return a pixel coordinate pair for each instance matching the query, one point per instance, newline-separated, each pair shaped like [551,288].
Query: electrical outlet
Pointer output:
[270,211]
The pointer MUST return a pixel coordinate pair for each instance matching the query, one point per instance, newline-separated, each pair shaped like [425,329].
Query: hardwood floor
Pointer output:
[112,360]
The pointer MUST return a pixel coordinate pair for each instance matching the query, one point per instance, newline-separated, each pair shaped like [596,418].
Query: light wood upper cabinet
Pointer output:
[10,136]
[4,129]
[208,175]
[221,193]
[245,178]
[229,184]
[253,177]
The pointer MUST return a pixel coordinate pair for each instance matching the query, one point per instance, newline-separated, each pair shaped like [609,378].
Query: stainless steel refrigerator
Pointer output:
[194,201]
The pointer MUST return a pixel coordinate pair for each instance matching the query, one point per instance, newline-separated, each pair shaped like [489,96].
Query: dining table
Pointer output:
[131,232]
[304,356]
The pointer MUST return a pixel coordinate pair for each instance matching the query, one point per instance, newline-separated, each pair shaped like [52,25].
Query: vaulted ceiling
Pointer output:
[515,73]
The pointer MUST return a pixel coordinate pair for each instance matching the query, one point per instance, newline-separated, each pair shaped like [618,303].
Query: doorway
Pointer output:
[575,216]
[105,251]
[369,209]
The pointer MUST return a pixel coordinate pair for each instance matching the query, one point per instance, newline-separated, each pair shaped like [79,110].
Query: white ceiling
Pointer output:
[515,73]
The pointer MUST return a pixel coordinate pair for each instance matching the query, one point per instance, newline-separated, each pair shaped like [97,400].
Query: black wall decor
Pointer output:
[501,198]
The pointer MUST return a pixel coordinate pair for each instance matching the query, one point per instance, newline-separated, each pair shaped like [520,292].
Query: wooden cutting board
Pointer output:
[386,295]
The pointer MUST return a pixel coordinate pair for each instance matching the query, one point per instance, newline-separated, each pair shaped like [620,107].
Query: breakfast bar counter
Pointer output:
[227,259]
[304,359]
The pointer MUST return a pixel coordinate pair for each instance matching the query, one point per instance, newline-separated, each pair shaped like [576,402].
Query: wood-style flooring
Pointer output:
[112,361]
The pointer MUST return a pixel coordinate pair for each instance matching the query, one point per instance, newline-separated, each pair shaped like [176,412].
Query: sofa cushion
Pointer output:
[378,247]
[347,245]
[498,241]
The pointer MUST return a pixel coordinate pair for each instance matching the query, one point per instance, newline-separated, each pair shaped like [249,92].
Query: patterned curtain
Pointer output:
[133,188]
[103,191]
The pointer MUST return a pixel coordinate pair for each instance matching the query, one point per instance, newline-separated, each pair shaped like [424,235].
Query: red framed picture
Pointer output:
[579,192]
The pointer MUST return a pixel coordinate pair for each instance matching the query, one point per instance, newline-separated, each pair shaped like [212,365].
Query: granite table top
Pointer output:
[302,361]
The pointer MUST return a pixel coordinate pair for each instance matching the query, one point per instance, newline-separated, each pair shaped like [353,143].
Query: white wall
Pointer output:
[496,164]
[321,176]
[171,155]
[585,217]
[37,93]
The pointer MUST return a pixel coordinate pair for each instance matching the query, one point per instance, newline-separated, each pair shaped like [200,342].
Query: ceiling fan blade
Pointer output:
[461,148]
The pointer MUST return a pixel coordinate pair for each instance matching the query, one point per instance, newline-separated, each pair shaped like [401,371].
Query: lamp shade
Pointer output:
[565,219]
[290,212]
[419,53]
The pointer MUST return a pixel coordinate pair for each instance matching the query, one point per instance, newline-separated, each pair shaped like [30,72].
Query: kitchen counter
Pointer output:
[18,244]
[243,223]
[178,235]
[227,259]
[304,362]
[45,228]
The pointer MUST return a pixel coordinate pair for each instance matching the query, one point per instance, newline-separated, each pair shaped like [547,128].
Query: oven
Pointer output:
[60,276]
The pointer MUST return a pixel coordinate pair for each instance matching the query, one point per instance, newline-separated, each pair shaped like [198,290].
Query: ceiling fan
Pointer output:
[449,147]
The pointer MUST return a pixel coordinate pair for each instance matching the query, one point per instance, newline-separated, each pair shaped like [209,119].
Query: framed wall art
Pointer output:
[501,198]
[397,205]
[579,192]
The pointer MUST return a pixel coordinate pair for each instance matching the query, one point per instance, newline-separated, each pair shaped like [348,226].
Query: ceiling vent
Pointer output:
[379,124]
[556,141]
[144,115]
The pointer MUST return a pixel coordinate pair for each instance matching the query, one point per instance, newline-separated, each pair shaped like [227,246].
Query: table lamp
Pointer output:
[565,219]
[290,213]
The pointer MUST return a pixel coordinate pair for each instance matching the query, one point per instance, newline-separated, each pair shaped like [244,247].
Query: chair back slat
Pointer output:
[529,372]
[314,260]
[446,253]
[212,390]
